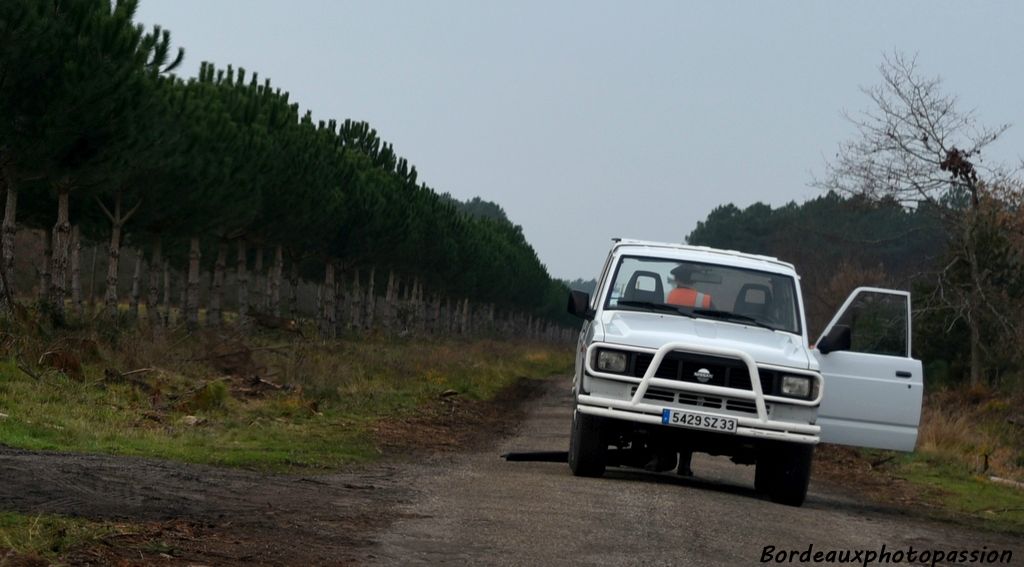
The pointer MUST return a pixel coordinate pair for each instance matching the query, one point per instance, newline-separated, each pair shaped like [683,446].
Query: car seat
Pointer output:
[755,309]
[633,293]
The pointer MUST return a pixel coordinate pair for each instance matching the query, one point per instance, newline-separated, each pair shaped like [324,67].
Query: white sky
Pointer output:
[587,120]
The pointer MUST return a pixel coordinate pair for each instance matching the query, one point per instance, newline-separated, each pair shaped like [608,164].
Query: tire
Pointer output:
[762,475]
[685,460]
[785,473]
[668,460]
[588,451]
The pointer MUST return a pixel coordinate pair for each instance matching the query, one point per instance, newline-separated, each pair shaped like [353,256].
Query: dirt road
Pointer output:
[480,509]
[469,507]
[190,514]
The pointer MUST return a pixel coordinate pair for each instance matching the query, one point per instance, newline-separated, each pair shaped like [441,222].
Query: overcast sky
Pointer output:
[588,120]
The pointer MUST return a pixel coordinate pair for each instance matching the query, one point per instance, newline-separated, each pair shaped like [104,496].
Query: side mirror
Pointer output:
[579,305]
[836,339]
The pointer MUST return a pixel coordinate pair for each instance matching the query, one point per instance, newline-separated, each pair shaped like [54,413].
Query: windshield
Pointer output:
[709,291]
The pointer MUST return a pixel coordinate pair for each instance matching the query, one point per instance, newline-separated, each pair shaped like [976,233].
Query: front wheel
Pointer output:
[588,451]
[784,473]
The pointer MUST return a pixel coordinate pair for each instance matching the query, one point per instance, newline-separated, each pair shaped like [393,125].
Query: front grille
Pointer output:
[747,406]
[657,394]
[688,367]
[698,400]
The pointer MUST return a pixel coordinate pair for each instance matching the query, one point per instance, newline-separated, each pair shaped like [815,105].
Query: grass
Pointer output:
[967,436]
[184,409]
[965,494]
[979,427]
[192,399]
[61,414]
[23,537]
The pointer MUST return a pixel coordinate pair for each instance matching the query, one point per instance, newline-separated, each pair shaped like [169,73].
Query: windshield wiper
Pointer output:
[719,314]
[674,309]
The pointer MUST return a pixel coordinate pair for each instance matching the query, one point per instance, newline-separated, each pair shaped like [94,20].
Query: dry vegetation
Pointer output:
[274,402]
[968,466]
[271,401]
[977,427]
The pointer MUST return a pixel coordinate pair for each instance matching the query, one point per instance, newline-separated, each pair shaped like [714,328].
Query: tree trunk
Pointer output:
[113,259]
[76,270]
[371,302]
[192,287]
[318,305]
[117,221]
[44,273]
[977,375]
[242,275]
[92,279]
[167,292]
[388,315]
[293,290]
[435,321]
[973,309]
[421,308]
[61,248]
[402,302]
[268,285]
[327,314]
[133,305]
[275,281]
[183,293]
[209,294]
[213,314]
[355,298]
[414,307]
[156,263]
[457,318]
[341,303]
[258,286]
[9,231]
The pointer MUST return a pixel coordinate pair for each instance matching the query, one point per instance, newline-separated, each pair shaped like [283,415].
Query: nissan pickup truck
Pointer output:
[689,348]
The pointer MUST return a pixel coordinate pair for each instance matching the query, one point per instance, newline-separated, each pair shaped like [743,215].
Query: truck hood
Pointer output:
[652,330]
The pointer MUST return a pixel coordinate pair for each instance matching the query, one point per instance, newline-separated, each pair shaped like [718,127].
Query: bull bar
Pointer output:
[637,411]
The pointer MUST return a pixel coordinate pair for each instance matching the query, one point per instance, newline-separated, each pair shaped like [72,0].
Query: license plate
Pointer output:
[681,418]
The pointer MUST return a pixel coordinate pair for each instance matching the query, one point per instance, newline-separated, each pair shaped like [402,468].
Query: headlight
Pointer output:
[611,361]
[796,387]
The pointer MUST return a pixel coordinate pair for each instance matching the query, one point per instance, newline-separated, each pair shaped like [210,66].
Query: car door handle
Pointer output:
[902,374]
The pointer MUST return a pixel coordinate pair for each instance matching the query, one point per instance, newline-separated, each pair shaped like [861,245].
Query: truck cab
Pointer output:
[690,348]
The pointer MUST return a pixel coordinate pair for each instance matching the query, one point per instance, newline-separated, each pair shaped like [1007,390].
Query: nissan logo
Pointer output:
[703,375]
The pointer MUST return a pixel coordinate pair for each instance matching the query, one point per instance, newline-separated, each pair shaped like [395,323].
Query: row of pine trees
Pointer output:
[101,142]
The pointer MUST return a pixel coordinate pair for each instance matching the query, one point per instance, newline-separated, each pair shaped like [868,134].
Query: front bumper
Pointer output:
[638,410]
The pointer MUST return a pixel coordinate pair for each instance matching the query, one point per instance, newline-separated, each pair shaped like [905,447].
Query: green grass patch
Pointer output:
[967,435]
[46,536]
[185,410]
[951,486]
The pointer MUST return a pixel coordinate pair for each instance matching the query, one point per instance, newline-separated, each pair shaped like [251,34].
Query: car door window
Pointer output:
[878,323]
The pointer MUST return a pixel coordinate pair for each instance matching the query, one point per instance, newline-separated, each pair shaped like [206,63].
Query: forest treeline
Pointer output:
[841,242]
[223,175]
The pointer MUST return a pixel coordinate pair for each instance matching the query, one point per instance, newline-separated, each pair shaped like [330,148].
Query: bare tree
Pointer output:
[916,146]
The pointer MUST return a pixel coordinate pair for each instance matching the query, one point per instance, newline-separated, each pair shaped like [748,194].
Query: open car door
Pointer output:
[872,387]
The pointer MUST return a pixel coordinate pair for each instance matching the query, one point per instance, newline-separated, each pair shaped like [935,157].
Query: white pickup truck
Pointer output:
[689,348]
